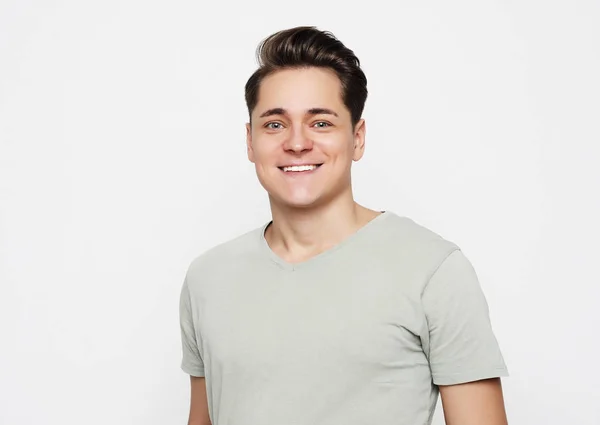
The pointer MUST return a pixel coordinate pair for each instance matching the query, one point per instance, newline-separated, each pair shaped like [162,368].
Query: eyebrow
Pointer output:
[312,111]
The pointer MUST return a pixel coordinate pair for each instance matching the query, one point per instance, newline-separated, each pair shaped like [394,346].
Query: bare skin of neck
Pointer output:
[298,234]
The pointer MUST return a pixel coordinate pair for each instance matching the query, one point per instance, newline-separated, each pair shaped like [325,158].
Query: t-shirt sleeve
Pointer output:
[462,345]
[192,360]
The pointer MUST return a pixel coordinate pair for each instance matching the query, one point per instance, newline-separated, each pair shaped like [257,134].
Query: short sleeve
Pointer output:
[192,361]
[462,346]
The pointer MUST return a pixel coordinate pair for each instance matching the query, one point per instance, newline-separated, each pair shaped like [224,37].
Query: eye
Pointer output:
[321,124]
[273,125]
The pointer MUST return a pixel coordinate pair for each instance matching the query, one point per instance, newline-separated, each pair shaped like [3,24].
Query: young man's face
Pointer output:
[301,120]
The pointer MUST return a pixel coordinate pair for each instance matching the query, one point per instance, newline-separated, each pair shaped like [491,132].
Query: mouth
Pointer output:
[307,168]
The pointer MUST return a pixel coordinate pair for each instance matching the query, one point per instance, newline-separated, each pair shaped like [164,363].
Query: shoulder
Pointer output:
[224,256]
[408,251]
[405,234]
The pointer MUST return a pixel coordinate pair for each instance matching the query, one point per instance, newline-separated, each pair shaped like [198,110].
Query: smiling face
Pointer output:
[301,138]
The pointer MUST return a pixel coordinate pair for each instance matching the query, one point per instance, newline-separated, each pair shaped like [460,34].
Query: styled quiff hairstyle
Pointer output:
[305,47]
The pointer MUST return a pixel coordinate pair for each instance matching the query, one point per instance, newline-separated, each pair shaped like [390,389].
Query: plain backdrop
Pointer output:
[122,158]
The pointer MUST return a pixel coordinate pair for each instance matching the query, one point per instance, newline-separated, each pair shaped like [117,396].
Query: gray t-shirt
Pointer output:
[360,334]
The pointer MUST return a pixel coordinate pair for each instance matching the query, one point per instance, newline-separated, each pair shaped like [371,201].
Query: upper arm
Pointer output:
[465,358]
[461,344]
[198,402]
[191,362]
[474,403]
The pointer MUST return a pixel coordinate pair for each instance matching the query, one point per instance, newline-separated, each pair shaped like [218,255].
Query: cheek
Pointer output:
[339,146]
[265,158]
[265,149]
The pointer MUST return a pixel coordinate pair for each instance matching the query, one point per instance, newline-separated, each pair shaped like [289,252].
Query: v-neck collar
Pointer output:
[285,265]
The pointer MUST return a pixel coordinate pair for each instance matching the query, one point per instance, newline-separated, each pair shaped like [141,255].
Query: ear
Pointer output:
[249,142]
[360,130]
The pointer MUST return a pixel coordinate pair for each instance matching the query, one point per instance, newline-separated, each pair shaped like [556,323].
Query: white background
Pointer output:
[122,158]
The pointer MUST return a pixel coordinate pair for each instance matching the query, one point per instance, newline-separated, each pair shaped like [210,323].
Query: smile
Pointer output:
[299,168]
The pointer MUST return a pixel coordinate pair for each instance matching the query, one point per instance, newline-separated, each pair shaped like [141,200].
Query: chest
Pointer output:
[328,322]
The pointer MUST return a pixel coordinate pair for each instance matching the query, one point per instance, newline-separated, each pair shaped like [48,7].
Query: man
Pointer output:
[331,313]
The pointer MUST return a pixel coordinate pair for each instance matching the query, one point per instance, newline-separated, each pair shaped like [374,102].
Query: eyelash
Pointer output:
[268,125]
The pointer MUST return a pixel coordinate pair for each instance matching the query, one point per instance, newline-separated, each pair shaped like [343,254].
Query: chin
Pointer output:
[298,202]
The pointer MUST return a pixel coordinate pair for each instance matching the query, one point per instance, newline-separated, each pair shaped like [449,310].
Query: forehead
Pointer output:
[298,90]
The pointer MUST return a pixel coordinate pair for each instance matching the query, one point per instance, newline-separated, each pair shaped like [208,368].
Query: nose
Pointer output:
[298,141]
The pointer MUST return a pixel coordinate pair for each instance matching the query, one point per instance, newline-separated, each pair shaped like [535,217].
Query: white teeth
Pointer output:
[299,168]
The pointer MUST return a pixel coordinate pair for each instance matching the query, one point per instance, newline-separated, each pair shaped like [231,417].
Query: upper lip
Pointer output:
[296,164]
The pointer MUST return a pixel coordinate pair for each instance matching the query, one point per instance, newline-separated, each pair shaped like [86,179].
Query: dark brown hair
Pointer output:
[302,47]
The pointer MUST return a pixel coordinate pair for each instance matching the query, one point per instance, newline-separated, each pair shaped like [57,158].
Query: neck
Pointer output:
[297,234]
